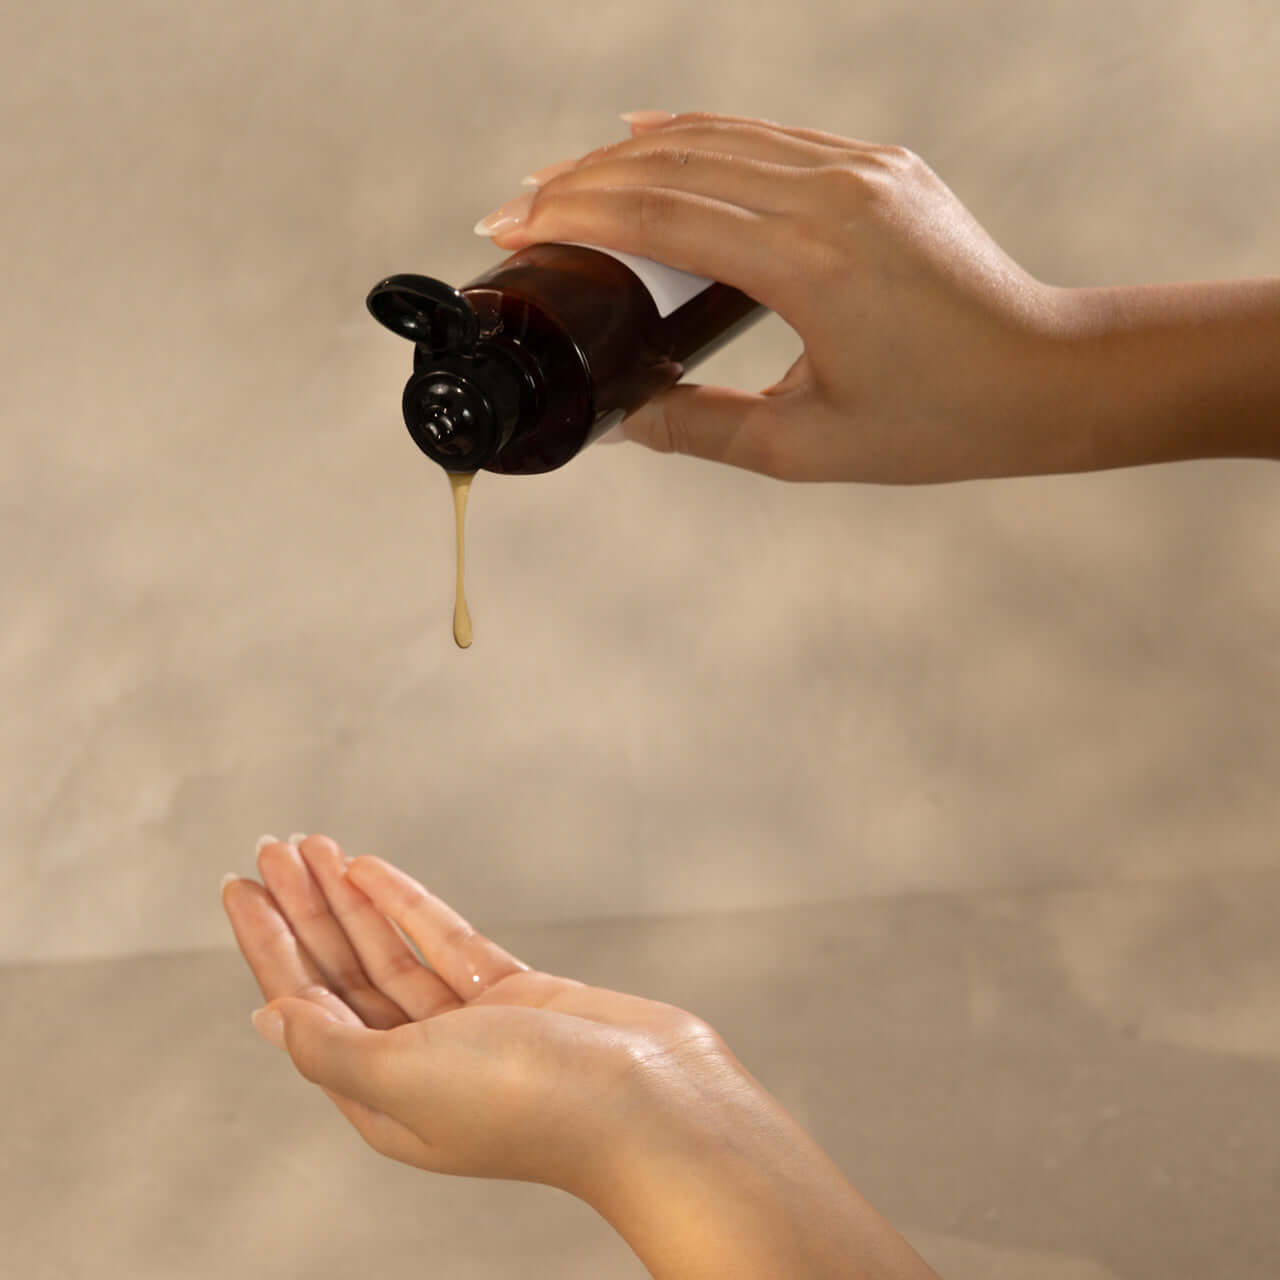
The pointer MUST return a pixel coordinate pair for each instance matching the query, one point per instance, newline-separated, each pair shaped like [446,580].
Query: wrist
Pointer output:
[718,1179]
[1161,373]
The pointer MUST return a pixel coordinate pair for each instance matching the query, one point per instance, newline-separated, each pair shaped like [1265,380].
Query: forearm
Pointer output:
[737,1188]
[1161,373]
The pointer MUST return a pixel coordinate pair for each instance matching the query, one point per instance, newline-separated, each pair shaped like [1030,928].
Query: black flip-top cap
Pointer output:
[448,416]
[429,312]
[451,420]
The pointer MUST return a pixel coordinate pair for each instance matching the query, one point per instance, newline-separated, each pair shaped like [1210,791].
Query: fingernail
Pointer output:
[647,117]
[505,217]
[263,841]
[615,435]
[227,879]
[269,1025]
[297,838]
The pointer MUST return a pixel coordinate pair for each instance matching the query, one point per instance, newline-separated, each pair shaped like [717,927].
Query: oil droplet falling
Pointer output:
[460,483]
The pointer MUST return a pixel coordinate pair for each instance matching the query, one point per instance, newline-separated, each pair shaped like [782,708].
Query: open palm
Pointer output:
[472,1063]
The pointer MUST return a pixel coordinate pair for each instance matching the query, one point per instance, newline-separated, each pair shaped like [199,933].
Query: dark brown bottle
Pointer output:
[523,367]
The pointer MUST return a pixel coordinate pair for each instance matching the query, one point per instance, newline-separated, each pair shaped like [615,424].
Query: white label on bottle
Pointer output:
[667,287]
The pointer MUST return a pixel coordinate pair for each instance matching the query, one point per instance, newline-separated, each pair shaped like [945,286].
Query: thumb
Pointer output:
[737,427]
[343,1058]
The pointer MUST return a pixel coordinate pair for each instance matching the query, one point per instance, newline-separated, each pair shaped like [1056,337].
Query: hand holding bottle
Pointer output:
[481,1066]
[929,354]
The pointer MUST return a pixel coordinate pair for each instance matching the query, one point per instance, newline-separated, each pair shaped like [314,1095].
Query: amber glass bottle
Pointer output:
[520,369]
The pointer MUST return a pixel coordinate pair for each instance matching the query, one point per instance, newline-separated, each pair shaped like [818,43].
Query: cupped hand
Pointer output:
[927,350]
[474,1065]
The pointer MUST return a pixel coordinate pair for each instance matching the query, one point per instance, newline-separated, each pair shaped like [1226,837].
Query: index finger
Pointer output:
[752,250]
[729,136]
[466,960]
[695,119]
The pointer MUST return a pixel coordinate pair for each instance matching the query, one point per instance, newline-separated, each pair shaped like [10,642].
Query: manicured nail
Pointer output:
[263,841]
[505,217]
[297,838]
[647,117]
[227,879]
[270,1026]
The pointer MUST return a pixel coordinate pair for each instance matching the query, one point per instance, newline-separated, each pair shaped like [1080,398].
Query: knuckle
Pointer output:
[406,899]
[660,157]
[851,185]
[315,909]
[600,153]
[541,195]
[679,1026]
[402,963]
[839,187]
[458,935]
[650,207]
[349,979]
[690,1029]
[670,433]
[898,158]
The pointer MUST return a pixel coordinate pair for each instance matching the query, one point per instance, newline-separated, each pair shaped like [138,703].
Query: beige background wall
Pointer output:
[228,577]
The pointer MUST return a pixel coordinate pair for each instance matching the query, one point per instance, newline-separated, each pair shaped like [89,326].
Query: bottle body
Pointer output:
[567,341]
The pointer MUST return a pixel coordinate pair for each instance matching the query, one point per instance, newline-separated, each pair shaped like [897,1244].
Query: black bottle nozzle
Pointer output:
[451,420]
[462,404]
